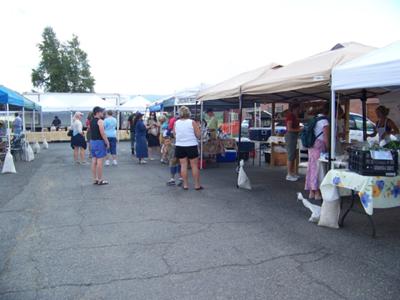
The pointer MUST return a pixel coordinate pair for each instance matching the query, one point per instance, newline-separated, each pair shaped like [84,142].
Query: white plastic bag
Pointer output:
[315,209]
[28,152]
[36,147]
[45,144]
[8,166]
[243,180]
[330,212]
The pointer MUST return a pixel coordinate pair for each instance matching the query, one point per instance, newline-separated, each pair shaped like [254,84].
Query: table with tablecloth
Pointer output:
[374,192]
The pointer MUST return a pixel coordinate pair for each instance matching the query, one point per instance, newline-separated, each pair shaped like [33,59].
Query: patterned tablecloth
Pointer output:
[374,192]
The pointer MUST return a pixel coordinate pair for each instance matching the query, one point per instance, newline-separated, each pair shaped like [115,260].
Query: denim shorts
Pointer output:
[98,148]
[113,146]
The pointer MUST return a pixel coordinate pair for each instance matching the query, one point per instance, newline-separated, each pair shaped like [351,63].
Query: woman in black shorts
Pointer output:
[187,133]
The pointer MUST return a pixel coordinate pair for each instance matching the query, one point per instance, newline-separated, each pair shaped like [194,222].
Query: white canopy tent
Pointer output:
[54,102]
[136,103]
[379,70]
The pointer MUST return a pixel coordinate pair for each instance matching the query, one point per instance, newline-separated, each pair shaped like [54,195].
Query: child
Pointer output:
[174,166]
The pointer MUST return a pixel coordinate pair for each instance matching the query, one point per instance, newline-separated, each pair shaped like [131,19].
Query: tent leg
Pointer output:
[8,128]
[333,129]
[201,137]
[33,121]
[364,113]
[273,119]
[23,120]
[255,115]
[347,119]
[240,126]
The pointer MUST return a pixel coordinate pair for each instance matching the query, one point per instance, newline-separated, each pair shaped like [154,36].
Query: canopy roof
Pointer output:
[52,102]
[156,107]
[8,96]
[136,103]
[378,68]
[305,79]
[231,88]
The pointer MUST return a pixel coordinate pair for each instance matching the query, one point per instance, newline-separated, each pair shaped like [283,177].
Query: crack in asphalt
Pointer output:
[170,273]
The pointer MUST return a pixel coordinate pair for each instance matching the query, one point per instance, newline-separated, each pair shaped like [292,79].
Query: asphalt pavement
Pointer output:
[61,237]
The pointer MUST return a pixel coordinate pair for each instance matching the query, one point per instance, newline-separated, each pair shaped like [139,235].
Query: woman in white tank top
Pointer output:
[186,134]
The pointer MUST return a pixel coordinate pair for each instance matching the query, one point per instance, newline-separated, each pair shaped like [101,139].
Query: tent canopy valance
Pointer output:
[10,97]
[305,79]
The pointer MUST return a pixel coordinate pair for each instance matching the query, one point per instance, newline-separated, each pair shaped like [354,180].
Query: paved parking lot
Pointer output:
[63,238]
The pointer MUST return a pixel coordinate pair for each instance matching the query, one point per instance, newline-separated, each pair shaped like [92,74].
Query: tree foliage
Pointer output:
[64,67]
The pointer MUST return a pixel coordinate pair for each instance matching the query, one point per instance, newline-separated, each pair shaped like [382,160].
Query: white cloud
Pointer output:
[161,46]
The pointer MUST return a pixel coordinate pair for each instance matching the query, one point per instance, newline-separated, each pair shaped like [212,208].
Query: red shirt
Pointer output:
[295,121]
[171,123]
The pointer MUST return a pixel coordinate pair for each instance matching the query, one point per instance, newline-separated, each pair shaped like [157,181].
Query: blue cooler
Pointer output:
[230,156]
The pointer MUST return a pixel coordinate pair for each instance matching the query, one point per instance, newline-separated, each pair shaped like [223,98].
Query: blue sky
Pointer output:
[158,46]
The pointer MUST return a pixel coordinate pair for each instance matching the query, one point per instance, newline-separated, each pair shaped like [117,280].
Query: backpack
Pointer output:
[307,135]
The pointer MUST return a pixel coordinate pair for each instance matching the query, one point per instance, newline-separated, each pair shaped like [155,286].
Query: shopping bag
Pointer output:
[243,180]
[8,166]
[45,144]
[36,147]
[315,209]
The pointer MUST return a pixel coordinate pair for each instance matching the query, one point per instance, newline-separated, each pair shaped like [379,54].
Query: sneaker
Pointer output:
[180,181]
[142,162]
[291,178]
[171,182]
[151,158]
[115,162]
[84,163]
[107,163]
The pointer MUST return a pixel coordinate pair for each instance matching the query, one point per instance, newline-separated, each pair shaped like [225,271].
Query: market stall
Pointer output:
[13,101]
[225,95]
[373,174]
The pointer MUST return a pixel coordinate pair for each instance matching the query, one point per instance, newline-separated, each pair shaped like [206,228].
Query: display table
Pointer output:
[373,192]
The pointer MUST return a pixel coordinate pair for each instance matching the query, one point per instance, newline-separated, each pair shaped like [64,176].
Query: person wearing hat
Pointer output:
[99,144]
[78,142]
[212,125]
[142,151]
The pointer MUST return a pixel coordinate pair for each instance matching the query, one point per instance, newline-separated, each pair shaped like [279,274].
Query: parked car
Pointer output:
[356,127]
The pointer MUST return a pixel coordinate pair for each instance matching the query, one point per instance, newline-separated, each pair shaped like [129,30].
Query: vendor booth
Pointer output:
[11,142]
[63,105]
[224,96]
[373,173]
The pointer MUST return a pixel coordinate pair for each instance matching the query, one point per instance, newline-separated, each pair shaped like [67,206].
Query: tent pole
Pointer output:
[8,128]
[240,124]
[255,115]
[273,119]
[201,136]
[33,121]
[364,113]
[347,119]
[23,120]
[118,120]
[333,129]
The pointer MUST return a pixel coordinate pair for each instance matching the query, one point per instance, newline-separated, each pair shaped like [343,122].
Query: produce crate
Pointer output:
[361,162]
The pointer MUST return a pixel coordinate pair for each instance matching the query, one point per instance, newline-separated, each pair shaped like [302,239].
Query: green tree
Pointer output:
[63,67]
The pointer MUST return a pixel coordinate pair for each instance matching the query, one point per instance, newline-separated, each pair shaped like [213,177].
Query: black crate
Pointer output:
[361,162]
[259,134]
